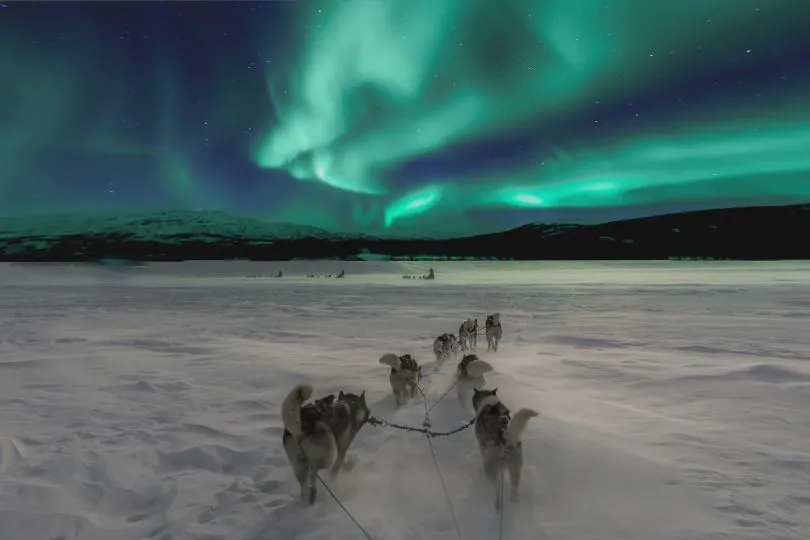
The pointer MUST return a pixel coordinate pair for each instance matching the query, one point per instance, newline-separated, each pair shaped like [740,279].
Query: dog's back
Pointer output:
[311,430]
[469,375]
[465,361]
[352,415]
[408,363]
[492,418]
[472,367]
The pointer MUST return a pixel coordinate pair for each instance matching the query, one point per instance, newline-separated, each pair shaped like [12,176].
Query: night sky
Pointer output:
[429,116]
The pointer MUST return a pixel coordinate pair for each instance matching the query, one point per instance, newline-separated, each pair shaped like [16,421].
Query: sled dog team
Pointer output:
[318,434]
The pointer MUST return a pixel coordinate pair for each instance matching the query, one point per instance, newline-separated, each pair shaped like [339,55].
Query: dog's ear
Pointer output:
[494,391]
[341,395]
[363,397]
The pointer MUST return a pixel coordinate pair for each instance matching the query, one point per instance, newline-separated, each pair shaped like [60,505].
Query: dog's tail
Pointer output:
[291,408]
[477,368]
[517,425]
[390,359]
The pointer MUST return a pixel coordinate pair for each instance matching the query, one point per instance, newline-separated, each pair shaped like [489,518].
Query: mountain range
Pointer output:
[749,233]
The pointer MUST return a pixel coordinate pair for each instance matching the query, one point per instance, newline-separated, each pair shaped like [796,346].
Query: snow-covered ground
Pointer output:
[144,402]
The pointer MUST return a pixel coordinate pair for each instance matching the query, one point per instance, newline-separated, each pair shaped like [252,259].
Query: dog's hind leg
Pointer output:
[335,471]
[515,467]
[313,486]
[302,475]
[462,393]
[494,473]
[342,444]
[300,466]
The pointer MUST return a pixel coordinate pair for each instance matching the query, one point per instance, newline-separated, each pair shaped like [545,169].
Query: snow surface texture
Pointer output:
[144,402]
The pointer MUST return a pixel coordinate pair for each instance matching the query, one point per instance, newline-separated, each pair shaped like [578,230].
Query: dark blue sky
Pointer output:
[368,115]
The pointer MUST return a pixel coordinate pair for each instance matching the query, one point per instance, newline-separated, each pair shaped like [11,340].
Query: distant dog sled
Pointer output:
[341,275]
[430,275]
[276,275]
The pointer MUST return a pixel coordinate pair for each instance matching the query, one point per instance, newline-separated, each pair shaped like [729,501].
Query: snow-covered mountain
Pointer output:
[155,226]
[752,233]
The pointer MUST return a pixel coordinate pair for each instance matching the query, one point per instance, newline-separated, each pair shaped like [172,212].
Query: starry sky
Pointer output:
[420,116]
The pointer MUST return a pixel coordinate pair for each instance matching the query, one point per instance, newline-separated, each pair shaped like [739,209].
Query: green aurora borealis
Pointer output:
[606,101]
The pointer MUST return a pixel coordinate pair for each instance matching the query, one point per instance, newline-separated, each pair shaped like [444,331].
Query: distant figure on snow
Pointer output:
[279,274]
[341,274]
[430,274]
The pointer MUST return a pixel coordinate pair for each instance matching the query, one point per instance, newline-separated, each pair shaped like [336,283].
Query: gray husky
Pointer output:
[444,346]
[318,434]
[498,434]
[468,334]
[405,375]
[494,331]
[470,375]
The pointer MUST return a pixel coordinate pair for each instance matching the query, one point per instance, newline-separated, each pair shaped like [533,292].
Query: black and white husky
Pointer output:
[405,375]
[499,440]
[468,334]
[444,346]
[318,434]
[494,331]
[470,375]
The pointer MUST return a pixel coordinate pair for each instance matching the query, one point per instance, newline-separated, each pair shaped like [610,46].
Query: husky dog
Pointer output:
[494,331]
[318,434]
[470,375]
[444,346]
[498,434]
[468,334]
[405,375]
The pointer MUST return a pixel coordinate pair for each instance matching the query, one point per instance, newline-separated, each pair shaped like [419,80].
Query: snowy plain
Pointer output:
[143,403]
